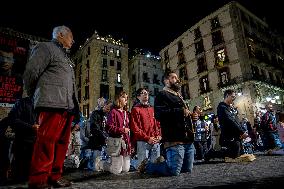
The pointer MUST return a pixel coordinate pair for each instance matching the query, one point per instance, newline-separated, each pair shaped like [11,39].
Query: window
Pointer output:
[118,77]
[87,76]
[215,23]
[111,50]
[79,82]
[204,84]
[255,71]
[111,62]
[145,77]
[220,57]
[217,38]
[180,46]
[118,64]
[104,63]
[155,79]
[181,58]
[87,92]
[201,65]
[185,91]
[89,50]
[199,48]
[197,34]
[133,79]
[80,70]
[86,110]
[251,48]
[166,56]
[183,73]
[104,75]
[104,91]
[88,64]
[224,75]
[118,53]
[79,95]
[105,50]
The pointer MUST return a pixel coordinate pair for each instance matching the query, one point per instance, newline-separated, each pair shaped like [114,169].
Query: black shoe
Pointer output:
[61,183]
[142,167]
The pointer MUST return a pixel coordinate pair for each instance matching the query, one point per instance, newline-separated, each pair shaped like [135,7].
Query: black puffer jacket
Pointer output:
[169,111]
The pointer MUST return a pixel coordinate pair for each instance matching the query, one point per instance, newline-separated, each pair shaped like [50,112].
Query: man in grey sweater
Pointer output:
[49,78]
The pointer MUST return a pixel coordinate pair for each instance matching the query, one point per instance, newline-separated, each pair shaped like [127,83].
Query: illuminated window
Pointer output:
[118,78]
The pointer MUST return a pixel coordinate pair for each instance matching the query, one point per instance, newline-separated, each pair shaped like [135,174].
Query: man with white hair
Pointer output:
[49,78]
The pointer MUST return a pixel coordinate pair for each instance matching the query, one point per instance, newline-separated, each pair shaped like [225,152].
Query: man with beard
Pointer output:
[177,131]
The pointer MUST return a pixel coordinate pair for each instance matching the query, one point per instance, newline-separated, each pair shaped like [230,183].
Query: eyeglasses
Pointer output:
[144,93]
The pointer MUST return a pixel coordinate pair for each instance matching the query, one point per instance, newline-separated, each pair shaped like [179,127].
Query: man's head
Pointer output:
[171,80]
[6,62]
[107,106]
[229,96]
[143,95]
[197,109]
[64,36]
[269,107]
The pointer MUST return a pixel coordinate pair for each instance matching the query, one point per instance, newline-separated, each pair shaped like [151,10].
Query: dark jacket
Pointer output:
[21,118]
[268,122]
[97,129]
[49,77]
[169,112]
[231,129]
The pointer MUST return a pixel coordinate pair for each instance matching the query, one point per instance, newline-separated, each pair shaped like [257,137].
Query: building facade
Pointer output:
[101,70]
[230,48]
[145,70]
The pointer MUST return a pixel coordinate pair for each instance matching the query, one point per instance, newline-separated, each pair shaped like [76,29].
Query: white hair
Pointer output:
[60,29]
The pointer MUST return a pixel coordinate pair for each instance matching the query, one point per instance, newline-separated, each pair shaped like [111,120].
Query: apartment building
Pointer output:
[229,48]
[101,70]
[145,70]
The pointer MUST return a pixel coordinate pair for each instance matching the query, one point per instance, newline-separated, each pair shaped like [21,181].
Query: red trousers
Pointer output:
[50,147]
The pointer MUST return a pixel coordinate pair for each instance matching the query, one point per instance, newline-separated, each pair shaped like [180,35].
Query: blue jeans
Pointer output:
[179,158]
[91,156]
[145,150]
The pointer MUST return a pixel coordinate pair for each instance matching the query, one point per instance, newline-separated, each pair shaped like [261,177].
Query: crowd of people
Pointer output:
[51,135]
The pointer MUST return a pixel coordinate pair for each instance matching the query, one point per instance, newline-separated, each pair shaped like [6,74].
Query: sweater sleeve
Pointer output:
[112,126]
[136,127]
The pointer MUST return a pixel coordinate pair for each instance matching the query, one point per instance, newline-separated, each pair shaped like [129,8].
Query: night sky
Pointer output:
[150,25]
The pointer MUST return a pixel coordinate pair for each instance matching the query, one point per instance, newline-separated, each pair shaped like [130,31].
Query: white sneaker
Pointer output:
[98,164]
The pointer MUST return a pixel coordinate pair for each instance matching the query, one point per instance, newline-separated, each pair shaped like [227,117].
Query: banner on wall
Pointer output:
[13,59]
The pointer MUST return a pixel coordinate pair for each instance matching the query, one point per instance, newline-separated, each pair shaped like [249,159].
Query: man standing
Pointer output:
[145,128]
[49,78]
[176,128]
